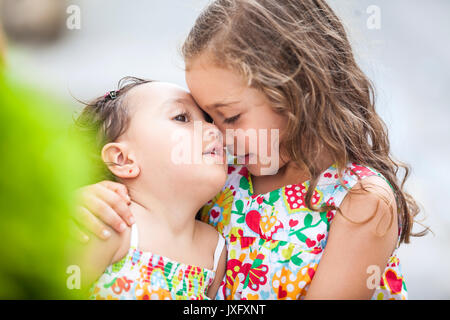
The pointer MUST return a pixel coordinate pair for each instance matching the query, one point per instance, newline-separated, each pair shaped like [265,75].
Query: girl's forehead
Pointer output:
[212,84]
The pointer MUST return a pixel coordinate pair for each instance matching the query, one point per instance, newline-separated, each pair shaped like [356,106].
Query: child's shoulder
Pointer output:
[370,193]
[120,244]
[98,254]
[353,176]
[206,231]
[207,235]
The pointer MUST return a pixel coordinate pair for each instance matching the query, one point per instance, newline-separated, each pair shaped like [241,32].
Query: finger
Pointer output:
[118,188]
[76,233]
[116,202]
[86,219]
[106,211]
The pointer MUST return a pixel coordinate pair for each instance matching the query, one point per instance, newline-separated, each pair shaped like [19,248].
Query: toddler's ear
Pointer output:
[120,161]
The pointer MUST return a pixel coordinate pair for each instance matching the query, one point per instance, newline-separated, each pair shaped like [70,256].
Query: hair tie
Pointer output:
[111,94]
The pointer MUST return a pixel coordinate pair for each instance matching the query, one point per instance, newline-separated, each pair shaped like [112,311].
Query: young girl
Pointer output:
[166,254]
[327,224]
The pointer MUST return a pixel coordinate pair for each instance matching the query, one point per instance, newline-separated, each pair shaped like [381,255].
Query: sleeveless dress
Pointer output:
[275,242]
[145,276]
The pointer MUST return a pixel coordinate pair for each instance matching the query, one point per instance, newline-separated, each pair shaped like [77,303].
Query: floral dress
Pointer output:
[146,276]
[275,242]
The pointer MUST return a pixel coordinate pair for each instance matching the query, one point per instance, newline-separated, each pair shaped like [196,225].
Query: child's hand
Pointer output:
[100,205]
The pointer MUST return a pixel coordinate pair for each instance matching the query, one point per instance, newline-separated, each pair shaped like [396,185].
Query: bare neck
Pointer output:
[175,218]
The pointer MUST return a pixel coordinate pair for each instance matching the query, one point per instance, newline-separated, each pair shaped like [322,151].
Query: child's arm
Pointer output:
[351,248]
[220,272]
[95,256]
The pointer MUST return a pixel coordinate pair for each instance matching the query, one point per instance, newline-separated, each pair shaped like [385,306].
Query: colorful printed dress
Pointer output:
[275,242]
[146,276]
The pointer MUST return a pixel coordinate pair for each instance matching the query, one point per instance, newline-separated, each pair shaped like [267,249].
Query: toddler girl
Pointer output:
[166,254]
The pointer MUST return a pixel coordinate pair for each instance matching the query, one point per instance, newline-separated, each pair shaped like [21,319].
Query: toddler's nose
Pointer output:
[213,133]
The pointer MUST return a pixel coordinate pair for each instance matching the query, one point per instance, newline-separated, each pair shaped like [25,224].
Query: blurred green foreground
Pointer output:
[41,166]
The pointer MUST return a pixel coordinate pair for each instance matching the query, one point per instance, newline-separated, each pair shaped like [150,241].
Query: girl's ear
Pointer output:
[120,161]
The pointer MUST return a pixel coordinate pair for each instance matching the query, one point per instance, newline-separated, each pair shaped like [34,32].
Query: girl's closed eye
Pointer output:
[232,119]
[207,117]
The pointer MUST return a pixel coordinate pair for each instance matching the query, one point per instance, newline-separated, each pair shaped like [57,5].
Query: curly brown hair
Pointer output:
[297,53]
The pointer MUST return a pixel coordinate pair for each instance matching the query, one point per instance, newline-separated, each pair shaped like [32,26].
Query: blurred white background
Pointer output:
[408,59]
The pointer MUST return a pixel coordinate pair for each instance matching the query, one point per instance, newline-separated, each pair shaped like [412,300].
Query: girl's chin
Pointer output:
[260,170]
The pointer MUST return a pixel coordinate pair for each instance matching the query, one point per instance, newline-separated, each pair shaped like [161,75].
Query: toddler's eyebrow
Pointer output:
[171,102]
[178,100]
